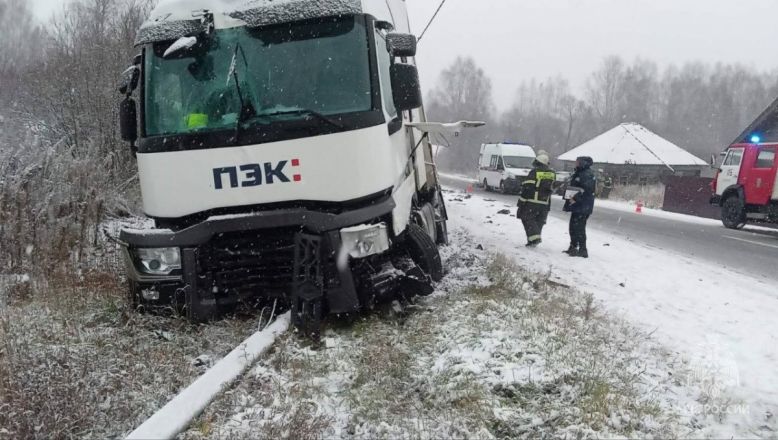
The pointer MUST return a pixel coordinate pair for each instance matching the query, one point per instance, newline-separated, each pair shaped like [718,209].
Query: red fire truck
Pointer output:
[746,183]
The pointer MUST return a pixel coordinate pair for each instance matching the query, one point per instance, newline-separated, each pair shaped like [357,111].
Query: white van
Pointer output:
[504,166]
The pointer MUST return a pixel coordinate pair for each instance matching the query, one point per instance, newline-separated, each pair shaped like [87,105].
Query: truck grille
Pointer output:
[254,263]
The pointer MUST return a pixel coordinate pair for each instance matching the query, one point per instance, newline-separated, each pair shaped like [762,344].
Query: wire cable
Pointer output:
[443,2]
[391,14]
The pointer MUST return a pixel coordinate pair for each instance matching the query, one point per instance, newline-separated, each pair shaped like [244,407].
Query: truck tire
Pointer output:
[486,185]
[733,213]
[502,187]
[424,252]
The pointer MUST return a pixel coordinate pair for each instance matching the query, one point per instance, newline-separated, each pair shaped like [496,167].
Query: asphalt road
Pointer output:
[751,251]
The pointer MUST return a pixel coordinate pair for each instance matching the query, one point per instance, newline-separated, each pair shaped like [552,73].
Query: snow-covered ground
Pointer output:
[723,323]
[633,342]
[496,352]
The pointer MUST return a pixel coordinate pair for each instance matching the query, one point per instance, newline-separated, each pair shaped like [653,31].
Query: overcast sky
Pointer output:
[515,40]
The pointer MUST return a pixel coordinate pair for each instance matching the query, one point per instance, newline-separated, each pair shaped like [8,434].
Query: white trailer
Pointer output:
[281,155]
[504,166]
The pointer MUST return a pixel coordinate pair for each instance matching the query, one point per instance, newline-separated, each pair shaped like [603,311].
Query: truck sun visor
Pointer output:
[162,30]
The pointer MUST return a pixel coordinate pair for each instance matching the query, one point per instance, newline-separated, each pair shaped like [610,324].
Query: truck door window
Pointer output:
[493,164]
[734,158]
[766,159]
[384,65]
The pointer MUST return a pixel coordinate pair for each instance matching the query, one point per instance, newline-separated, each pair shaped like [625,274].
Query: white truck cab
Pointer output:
[281,155]
[504,166]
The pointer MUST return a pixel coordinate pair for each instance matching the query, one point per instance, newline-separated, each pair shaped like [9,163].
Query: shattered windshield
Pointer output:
[288,71]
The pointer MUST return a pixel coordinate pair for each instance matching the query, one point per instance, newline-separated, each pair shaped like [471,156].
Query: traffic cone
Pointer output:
[470,188]
[639,207]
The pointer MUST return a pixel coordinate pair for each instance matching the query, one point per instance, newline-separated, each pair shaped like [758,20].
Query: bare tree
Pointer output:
[463,92]
[604,91]
[68,171]
[21,42]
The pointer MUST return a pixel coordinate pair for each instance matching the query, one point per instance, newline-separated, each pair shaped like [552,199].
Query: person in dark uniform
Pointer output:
[580,205]
[604,185]
[535,199]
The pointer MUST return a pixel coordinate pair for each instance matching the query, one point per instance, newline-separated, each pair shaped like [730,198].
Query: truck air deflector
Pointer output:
[167,31]
[316,222]
[172,19]
[267,12]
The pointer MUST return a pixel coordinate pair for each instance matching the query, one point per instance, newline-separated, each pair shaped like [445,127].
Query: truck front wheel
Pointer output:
[424,252]
[733,213]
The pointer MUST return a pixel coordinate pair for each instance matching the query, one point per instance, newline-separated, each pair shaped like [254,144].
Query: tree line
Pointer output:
[62,167]
[699,107]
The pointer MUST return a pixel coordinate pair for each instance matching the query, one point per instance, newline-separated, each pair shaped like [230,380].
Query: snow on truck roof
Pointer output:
[632,143]
[172,19]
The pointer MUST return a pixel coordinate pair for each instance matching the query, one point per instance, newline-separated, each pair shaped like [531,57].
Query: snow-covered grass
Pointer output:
[179,412]
[496,352]
[75,362]
[652,196]
[721,322]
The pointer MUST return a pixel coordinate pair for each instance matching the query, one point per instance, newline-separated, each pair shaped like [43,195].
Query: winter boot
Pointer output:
[571,250]
[583,253]
[534,243]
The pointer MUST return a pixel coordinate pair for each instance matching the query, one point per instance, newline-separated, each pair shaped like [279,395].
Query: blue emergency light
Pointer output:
[755,139]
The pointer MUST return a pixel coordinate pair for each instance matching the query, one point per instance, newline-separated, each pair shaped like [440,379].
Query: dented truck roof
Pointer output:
[172,19]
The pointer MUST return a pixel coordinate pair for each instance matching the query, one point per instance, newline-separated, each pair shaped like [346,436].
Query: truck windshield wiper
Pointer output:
[246,109]
[305,112]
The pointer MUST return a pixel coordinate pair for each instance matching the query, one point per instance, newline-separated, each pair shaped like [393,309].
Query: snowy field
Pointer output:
[523,343]
[515,343]
[722,323]
[496,352]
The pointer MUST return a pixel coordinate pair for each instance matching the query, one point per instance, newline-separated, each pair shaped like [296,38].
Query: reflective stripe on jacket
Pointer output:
[538,187]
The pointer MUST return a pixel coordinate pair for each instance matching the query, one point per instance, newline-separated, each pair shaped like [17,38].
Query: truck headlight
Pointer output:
[158,261]
[366,240]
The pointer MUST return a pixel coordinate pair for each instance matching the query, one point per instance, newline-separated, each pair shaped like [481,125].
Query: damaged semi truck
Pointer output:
[283,154]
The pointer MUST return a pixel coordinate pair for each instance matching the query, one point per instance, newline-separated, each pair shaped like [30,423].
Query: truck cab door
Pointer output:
[730,170]
[759,175]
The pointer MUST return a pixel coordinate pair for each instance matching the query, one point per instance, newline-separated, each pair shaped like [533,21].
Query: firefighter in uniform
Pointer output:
[535,199]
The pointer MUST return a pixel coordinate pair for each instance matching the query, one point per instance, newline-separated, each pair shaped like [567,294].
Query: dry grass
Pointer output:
[502,354]
[75,362]
[653,196]
[594,360]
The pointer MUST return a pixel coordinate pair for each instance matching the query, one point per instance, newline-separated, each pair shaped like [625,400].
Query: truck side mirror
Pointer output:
[129,80]
[128,120]
[406,88]
[401,45]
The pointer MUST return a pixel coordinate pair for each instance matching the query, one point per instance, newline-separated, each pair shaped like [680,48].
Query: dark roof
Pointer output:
[765,126]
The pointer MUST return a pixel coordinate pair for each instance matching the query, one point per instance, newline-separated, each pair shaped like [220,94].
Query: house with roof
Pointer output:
[633,155]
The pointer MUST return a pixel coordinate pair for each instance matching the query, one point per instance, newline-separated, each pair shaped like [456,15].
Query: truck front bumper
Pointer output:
[259,256]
